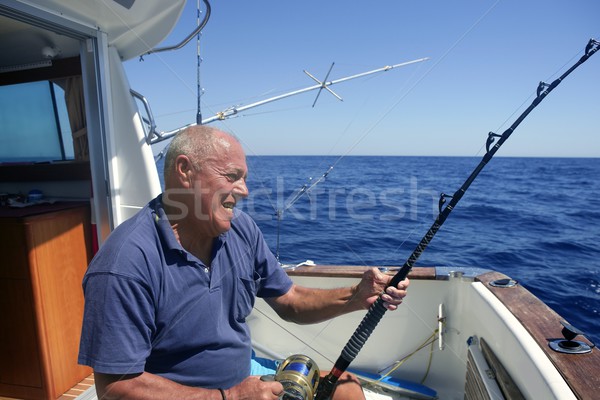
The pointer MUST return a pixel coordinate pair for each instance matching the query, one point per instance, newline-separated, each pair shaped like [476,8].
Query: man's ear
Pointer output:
[184,171]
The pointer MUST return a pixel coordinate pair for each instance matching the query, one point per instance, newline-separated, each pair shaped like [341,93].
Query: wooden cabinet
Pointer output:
[44,253]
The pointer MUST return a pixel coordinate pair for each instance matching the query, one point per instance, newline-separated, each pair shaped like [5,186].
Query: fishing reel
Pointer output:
[299,376]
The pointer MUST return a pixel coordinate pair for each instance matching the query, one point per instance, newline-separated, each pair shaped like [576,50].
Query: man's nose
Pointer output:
[240,189]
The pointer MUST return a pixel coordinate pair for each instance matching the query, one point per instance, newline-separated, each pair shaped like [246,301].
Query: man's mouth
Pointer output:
[229,205]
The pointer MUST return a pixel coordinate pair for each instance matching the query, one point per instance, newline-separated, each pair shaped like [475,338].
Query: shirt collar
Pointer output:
[165,231]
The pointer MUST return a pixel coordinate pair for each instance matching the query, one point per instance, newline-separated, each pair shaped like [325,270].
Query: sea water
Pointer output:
[536,220]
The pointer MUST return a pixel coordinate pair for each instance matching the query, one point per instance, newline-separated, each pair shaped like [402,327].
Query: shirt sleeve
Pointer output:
[118,324]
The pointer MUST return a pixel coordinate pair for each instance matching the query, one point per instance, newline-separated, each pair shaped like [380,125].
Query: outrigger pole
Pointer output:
[232,111]
[321,85]
[377,310]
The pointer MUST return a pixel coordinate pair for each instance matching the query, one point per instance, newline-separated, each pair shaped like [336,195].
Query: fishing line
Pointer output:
[306,189]
[533,93]
[435,64]
[377,122]
[528,99]
[394,105]
[298,338]
[405,94]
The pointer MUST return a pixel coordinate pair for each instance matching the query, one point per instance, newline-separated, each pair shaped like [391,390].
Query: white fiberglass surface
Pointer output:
[471,311]
[132,26]
[134,175]
[398,334]
[524,360]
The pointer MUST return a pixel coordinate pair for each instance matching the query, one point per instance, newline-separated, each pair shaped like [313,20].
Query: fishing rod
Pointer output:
[377,310]
[306,188]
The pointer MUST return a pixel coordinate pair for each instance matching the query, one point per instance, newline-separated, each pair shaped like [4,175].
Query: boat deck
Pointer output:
[79,390]
[82,391]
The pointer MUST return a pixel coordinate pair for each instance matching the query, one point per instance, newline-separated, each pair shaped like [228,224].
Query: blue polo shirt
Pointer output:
[152,306]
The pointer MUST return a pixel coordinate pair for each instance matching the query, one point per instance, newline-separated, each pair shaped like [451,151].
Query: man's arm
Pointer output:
[304,305]
[146,386]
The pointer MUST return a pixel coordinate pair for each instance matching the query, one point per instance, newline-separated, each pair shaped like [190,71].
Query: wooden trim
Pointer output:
[505,381]
[355,271]
[543,324]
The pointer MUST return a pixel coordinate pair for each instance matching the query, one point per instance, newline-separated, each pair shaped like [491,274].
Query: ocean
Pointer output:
[534,219]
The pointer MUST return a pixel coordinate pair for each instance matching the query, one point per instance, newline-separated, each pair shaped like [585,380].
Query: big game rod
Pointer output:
[377,310]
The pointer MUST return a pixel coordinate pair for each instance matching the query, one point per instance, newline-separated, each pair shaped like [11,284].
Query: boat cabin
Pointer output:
[75,161]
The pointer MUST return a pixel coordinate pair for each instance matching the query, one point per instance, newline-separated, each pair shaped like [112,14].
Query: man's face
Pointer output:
[217,187]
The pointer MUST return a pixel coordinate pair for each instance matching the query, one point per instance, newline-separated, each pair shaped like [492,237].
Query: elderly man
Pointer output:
[167,295]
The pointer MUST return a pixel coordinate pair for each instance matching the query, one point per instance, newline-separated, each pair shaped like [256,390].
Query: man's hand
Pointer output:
[253,388]
[372,285]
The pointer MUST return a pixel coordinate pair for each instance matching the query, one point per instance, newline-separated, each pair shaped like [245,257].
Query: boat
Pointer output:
[79,162]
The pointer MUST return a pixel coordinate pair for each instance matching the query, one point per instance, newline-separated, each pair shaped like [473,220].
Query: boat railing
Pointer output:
[148,121]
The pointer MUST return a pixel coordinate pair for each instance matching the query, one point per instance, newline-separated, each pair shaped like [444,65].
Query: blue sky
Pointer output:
[486,60]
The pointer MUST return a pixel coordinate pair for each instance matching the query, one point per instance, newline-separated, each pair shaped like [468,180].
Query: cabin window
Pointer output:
[34,124]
